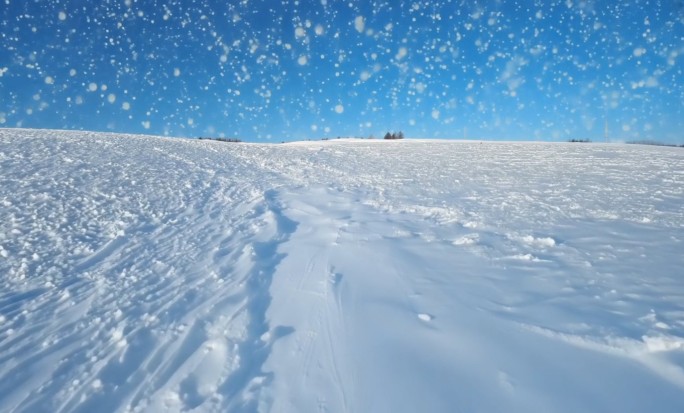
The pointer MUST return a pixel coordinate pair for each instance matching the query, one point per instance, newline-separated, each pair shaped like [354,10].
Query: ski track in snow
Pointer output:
[151,274]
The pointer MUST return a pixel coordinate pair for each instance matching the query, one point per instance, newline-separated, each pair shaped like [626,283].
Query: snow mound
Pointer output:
[539,242]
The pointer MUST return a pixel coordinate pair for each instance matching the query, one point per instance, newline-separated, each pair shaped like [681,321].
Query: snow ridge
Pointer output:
[150,274]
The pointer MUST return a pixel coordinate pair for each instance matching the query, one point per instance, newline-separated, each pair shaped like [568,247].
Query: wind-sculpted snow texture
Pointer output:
[151,274]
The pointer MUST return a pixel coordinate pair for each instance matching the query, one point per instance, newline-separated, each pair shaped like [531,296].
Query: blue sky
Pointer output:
[272,71]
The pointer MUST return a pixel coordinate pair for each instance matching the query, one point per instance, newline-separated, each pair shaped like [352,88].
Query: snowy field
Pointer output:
[143,274]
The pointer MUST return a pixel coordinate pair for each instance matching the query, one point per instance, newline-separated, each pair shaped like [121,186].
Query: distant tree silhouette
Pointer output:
[655,143]
[399,135]
[234,140]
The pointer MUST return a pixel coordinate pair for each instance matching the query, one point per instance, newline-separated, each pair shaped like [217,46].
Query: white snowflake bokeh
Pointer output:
[267,70]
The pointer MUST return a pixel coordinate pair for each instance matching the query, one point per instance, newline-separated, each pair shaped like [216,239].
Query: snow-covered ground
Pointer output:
[150,274]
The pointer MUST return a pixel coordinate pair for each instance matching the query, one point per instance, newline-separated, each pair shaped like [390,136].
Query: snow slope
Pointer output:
[150,274]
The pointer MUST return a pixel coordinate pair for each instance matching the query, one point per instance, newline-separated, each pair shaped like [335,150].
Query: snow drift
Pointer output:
[150,274]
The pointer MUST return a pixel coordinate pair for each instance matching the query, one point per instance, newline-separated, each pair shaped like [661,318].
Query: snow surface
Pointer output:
[150,274]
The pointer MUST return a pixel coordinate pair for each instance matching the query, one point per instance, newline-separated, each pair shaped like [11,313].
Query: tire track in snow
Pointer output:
[311,294]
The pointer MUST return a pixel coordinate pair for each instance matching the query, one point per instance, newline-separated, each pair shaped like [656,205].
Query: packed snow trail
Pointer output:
[152,274]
